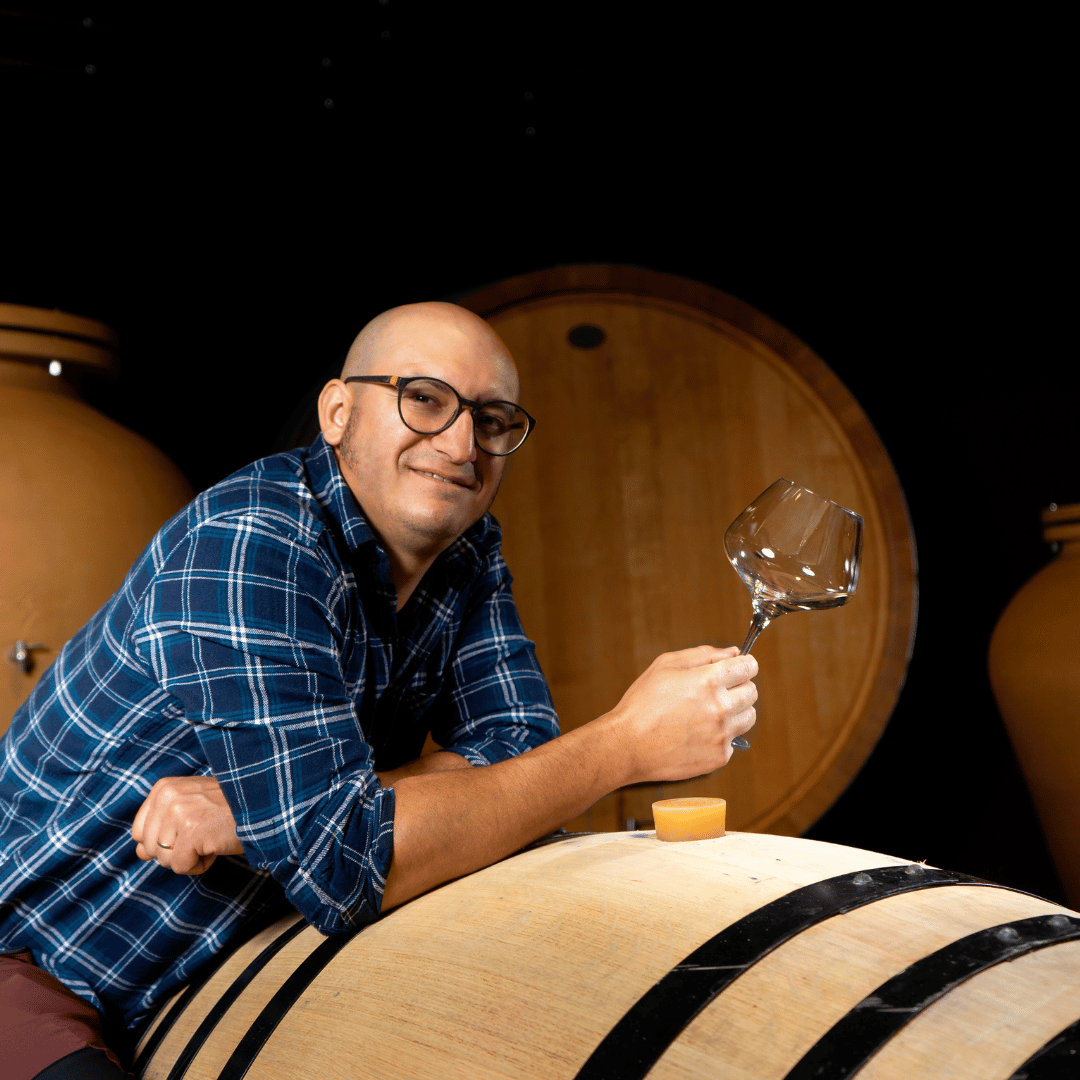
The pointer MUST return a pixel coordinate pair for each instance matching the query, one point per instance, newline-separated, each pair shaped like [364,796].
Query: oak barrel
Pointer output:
[664,407]
[693,403]
[616,955]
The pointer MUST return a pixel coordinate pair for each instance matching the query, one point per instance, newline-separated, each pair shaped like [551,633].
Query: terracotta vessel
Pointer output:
[80,496]
[1035,675]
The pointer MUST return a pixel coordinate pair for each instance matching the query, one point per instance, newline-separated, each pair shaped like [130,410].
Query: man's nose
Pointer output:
[458,441]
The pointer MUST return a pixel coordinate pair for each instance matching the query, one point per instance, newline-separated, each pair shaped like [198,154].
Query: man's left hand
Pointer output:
[185,824]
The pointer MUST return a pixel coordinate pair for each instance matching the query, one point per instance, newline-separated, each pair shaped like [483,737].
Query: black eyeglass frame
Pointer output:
[399,382]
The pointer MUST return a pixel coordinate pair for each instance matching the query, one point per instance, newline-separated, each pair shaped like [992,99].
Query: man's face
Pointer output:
[420,492]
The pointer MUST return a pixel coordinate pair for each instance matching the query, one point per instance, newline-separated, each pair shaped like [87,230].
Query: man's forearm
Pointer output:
[677,720]
[450,823]
[437,761]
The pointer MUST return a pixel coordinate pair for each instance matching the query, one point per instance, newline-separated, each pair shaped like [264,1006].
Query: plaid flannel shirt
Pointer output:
[256,639]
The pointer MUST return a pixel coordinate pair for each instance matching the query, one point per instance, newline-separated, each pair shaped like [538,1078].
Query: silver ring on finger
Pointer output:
[167,847]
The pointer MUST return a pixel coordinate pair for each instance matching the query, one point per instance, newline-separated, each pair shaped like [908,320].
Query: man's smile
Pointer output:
[457,481]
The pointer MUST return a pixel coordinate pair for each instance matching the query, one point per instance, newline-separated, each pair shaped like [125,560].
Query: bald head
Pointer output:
[418,491]
[413,331]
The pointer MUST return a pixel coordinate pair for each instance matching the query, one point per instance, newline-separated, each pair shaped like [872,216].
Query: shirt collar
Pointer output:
[333,495]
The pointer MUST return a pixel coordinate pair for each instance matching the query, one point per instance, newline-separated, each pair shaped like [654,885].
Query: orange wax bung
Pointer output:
[695,818]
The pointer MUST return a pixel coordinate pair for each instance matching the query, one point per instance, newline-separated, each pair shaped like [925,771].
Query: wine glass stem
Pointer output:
[757,624]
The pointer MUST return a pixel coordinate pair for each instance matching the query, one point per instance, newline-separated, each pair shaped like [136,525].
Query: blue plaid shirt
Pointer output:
[256,639]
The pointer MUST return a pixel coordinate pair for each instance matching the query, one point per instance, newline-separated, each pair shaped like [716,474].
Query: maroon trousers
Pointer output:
[42,1021]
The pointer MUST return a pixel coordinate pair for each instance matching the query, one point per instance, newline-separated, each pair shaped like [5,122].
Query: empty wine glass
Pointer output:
[795,551]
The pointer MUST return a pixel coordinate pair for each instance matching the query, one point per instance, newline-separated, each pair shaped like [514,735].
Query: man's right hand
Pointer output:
[676,721]
[680,715]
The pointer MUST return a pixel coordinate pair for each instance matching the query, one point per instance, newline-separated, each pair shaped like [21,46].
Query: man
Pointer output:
[261,685]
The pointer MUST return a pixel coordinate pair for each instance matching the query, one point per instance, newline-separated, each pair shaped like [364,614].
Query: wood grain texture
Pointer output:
[520,970]
[1004,1015]
[771,1016]
[646,448]
[220,1044]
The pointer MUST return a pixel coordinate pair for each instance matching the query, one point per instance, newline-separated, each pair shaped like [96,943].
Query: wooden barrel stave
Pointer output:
[608,914]
[184,1025]
[812,982]
[523,969]
[1035,995]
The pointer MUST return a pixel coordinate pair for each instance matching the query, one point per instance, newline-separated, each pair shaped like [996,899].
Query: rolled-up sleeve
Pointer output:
[244,628]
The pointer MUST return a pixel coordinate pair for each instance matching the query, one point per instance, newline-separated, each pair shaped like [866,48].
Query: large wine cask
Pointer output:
[748,957]
[80,495]
[663,408]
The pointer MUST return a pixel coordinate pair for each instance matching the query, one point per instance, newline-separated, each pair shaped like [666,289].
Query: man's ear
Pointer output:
[335,405]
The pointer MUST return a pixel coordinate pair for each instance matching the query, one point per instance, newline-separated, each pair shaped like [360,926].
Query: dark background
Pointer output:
[237,193]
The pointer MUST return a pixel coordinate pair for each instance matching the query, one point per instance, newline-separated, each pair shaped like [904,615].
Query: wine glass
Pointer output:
[795,551]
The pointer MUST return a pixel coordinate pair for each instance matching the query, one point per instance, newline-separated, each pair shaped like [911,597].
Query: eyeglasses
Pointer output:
[428,406]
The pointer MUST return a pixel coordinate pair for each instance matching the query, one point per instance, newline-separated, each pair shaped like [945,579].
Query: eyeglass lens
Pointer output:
[428,406]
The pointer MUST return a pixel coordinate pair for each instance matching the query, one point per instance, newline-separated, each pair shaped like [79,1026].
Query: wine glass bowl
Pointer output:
[795,551]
